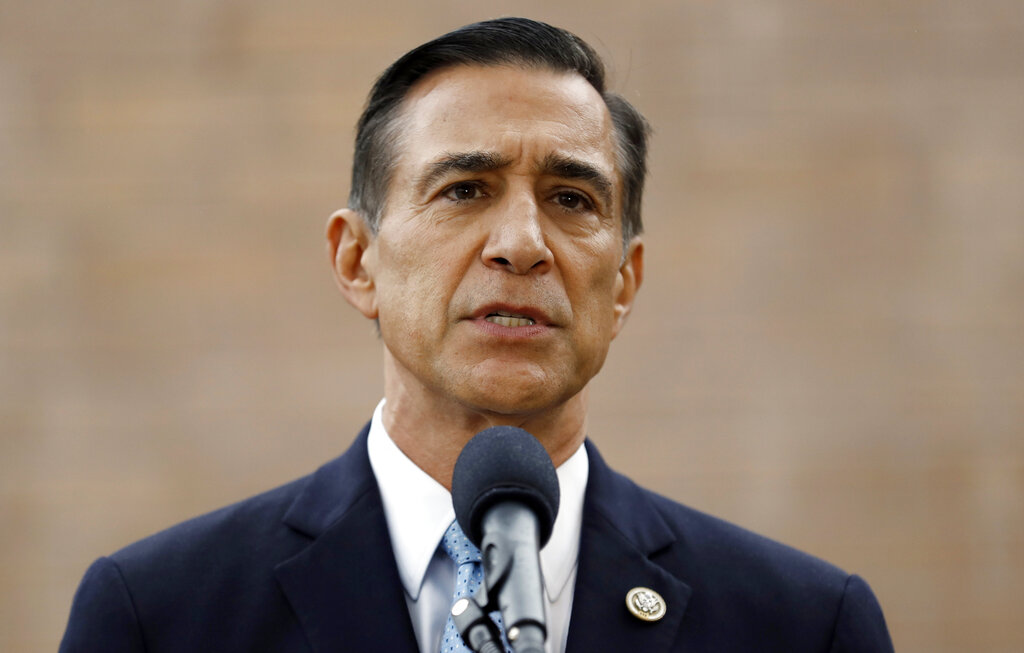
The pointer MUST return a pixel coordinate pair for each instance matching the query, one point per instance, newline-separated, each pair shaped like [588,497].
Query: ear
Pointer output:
[631,275]
[350,246]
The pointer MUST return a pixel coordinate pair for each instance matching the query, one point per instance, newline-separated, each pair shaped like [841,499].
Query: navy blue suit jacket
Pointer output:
[309,567]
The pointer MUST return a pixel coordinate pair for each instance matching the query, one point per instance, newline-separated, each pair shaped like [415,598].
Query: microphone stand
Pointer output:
[478,630]
[523,614]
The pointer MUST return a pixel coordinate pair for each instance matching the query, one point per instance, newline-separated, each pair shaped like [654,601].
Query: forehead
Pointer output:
[525,114]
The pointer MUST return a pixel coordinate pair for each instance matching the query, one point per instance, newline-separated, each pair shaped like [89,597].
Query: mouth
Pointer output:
[504,319]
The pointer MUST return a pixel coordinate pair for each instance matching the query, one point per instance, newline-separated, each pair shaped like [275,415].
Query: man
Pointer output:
[493,234]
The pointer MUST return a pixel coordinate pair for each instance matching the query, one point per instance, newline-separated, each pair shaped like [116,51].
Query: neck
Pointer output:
[432,430]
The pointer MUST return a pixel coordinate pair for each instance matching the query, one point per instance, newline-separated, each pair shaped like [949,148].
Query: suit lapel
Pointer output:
[344,587]
[621,534]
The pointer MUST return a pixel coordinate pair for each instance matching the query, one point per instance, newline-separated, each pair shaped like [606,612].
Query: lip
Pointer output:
[542,322]
[539,317]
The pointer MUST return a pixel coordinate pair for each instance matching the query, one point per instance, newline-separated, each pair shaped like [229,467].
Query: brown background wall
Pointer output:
[828,349]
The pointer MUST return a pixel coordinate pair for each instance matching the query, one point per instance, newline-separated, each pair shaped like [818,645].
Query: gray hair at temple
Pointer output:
[511,41]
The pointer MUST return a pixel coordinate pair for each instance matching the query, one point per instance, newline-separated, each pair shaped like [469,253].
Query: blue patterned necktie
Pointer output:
[469,574]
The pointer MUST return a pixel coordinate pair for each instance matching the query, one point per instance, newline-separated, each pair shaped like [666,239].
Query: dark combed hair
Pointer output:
[503,41]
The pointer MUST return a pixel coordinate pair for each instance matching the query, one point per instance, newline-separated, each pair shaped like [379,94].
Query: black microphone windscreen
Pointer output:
[504,463]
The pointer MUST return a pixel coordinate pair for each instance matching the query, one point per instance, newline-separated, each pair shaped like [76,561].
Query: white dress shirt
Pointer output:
[418,510]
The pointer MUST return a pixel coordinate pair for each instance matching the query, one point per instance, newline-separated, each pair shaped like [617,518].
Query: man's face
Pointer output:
[498,273]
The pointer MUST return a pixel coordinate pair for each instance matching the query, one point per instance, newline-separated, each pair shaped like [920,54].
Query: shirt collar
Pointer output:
[558,557]
[419,510]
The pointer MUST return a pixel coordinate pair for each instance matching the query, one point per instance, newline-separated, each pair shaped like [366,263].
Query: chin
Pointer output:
[516,399]
[511,409]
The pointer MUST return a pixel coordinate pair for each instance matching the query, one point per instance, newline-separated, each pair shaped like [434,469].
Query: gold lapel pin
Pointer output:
[646,604]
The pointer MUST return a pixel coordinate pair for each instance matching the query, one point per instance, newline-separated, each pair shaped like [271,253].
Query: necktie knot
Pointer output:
[458,547]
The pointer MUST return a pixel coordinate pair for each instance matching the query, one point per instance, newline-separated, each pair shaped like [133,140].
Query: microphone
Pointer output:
[505,494]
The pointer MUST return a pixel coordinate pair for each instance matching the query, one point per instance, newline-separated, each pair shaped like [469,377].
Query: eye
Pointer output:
[572,200]
[463,191]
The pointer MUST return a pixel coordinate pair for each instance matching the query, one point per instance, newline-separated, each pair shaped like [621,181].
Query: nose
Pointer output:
[516,240]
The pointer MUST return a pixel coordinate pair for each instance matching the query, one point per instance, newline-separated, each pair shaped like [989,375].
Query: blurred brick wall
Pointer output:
[828,348]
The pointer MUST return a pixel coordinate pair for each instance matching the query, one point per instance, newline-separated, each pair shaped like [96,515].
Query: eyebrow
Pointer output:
[566,167]
[461,162]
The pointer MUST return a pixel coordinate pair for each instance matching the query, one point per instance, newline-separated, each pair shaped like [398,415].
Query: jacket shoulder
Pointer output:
[795,601]
[248,528]
[747,591]
[191,586]
[715,539]
[210,583]
[701,543]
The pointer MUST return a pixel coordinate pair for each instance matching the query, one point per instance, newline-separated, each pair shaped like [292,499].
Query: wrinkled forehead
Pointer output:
[524,113]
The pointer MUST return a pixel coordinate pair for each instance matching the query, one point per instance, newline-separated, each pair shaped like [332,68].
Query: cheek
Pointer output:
[598,269]
[594,304]
[419,276]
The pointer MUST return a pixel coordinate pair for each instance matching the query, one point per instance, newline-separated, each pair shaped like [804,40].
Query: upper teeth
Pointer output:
[509,320]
